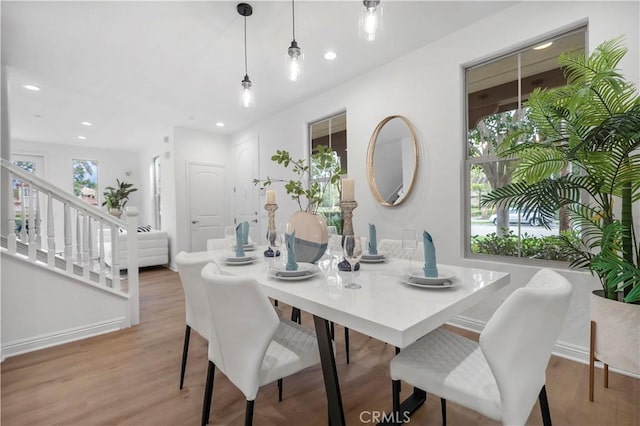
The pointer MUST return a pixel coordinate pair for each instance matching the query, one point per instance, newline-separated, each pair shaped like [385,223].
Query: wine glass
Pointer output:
[352,248]
[409,242]
[230,236]
[333,235]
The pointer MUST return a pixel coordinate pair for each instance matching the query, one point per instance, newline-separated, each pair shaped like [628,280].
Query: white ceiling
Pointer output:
[136,69]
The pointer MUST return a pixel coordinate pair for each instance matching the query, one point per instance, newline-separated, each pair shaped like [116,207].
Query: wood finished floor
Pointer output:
[130,377]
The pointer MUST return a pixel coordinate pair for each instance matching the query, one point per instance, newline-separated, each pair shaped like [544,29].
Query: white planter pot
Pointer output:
[115,212]
[312,235]
[617,332]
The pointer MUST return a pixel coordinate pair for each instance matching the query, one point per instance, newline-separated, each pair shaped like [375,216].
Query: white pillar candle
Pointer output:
[271,196]
[348,192]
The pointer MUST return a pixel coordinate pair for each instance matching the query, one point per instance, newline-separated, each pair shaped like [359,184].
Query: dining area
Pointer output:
[233,292]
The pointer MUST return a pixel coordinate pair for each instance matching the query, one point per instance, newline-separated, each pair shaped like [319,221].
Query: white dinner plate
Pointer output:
[417,276]
[442,285]
[247,247]
[304,271]
[373,257]
[240,260]
[373,260]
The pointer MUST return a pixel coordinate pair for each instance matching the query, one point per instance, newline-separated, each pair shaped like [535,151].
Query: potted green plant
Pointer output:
[116,198]
[314,178]
[587,161]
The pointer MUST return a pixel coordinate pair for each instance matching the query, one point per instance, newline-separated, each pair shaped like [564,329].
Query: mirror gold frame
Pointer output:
[370,161]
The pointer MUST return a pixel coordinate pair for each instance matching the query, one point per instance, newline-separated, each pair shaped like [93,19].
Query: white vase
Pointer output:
[115,212]
[312,235]
[617,332]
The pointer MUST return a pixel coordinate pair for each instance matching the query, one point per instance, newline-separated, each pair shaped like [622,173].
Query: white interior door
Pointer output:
[245,195]
[207,218]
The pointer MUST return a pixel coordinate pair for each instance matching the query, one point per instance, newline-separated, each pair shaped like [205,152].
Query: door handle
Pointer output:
[255,220]
[194,221]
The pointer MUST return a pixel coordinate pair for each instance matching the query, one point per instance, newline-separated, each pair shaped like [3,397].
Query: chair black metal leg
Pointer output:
[280,383]
[346,342]
[544,407]
[208,393]
[443,408]
[395,394]
[333,331]
[248,414]
[185,350]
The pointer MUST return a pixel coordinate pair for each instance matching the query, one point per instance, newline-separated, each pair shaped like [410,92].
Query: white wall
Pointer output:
[427,87]
[42,308]
[196,146]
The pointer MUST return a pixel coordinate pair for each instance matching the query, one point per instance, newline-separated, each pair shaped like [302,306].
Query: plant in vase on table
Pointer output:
[586,160]
[116,198]
[309,191]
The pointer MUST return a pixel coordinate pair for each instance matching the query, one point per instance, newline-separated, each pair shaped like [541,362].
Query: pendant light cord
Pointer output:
[245,47]
[293,16]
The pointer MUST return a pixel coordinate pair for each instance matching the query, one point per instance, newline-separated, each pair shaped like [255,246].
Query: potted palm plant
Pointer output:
[116,198]
[314,178]
[587,161]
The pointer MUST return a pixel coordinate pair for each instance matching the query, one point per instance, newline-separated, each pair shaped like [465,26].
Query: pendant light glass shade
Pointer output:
[294,58]
[246,95]
[295,62]
[370,20]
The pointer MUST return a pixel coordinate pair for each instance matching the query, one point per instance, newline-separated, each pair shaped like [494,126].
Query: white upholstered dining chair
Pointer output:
[255,348]
[195,300]
[501,376]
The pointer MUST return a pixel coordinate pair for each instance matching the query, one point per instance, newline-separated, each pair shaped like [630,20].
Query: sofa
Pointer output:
[153,248]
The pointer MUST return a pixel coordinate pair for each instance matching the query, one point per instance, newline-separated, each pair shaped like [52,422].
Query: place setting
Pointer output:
[372,254]
[430,276]
[292,270]
[240,257]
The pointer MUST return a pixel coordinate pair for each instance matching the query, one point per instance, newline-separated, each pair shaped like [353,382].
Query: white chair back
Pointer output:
[518,340]
[218,244]
[244,323]
[393,248]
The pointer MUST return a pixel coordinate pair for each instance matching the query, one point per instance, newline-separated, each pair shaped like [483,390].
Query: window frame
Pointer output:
[468,162]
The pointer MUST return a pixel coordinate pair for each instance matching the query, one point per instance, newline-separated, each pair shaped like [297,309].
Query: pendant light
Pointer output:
[370,19]
[294,57]
[246,96]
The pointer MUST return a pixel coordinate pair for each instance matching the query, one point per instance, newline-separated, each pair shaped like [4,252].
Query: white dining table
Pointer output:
[384,307]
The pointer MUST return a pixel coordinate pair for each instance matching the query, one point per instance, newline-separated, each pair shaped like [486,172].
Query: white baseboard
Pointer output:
[562,349]
[65,336]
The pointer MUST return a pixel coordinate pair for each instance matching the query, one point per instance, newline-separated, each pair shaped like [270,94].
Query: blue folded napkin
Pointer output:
[239,249]
[292,265]
[245,233]
[373,242]
[430,268]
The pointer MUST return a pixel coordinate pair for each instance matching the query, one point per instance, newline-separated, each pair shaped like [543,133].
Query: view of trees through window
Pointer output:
[496,94]
[330,132]
[85,180]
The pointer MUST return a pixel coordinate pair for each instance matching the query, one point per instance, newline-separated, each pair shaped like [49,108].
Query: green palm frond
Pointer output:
[615,272]
[540,163]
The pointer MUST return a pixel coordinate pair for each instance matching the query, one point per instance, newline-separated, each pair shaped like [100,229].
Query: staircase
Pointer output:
[56,285]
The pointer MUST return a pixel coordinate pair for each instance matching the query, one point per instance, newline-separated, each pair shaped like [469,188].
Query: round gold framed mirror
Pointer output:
[392,160]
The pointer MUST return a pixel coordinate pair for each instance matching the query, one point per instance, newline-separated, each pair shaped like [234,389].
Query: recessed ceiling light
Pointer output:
[86,123]
[330,55]
[543,46]
[82,137]
[220,124]
[31,87]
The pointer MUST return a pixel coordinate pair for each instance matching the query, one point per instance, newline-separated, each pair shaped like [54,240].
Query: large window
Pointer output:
[330,132]
[496,92]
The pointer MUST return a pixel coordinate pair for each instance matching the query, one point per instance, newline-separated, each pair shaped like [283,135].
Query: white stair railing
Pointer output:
[83,255]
